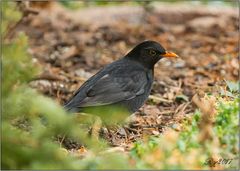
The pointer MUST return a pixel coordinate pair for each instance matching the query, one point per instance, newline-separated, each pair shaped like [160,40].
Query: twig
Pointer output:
[26,10]
[159,99]
[63,138]
[166,112]
[47,76]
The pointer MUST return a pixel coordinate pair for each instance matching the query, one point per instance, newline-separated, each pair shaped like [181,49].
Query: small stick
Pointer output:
[159,99]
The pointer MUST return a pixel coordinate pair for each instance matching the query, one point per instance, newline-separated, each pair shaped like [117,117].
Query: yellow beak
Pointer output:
[170,55]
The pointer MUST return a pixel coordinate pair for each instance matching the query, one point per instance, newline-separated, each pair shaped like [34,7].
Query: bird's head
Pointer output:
[149,53]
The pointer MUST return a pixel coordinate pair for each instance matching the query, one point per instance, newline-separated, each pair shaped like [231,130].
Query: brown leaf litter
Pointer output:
[71,46]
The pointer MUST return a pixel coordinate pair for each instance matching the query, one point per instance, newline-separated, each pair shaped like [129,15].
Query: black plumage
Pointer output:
[126,82]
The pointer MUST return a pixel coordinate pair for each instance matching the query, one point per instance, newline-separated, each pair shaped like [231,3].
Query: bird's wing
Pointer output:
[110,89]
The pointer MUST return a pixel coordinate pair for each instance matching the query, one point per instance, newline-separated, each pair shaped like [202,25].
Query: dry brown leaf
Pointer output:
[207,107]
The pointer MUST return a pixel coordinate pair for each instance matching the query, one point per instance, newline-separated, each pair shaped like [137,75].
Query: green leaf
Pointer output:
[226,93]
[182,97]
[232,86]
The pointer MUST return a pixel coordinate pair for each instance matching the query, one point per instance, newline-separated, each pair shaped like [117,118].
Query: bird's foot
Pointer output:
[89,119]
[96,128]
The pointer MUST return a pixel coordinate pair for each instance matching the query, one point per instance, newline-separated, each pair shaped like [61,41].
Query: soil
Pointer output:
[71,46]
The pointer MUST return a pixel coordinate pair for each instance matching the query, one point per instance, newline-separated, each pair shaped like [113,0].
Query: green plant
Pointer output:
[227,127]
[183,150]
[30,121]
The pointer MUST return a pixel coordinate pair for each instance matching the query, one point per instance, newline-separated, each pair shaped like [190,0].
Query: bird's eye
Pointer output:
[152,52]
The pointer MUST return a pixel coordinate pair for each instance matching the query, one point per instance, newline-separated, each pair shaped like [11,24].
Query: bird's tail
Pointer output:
[70,109]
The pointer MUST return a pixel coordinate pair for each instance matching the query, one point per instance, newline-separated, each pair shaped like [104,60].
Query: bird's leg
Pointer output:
[96,127]
[88,118]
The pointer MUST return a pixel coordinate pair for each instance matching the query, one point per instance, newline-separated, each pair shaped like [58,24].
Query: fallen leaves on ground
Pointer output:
[71,49]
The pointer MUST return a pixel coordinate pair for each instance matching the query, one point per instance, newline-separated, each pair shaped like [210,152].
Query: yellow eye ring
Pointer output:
[152,52]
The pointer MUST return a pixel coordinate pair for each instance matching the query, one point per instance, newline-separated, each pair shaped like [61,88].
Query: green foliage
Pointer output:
[35,147]
[184,151]
[227,127]
[9,15]
[233,86]
[232,89]
[182,97]
[109,114]
[12,52]
[140,148]
[189,137]
[30,121]
[73,5]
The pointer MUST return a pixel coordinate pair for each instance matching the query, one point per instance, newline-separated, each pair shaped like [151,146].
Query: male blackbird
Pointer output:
[126,82]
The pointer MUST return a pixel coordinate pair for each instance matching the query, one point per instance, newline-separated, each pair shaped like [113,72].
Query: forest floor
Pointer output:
[71,46]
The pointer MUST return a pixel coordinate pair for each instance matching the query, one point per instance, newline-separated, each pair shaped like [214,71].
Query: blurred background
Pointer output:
[51,48]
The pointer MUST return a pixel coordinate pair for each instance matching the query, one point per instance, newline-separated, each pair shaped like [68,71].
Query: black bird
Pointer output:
[126,82]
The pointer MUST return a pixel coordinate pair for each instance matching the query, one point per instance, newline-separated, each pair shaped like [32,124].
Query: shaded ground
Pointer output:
[73,45]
